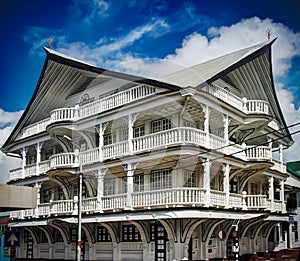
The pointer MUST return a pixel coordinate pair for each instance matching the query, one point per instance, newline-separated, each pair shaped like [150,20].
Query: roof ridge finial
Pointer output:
[50,43]
[269,33]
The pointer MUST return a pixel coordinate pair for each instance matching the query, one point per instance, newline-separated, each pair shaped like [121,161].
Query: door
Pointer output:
[160,238]
[29,249]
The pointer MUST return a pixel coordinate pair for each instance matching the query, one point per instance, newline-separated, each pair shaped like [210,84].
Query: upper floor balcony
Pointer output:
[121,98]
[154,199]
[151,142]
[242,104]
[80,112]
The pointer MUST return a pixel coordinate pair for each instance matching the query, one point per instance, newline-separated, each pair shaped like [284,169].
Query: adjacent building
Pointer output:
[186,166]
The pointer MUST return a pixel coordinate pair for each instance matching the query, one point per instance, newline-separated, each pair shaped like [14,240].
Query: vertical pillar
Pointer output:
[226,185]
[130,174]
[271,192]
[24,152]
[206,125]
[38,200]
[130,121]
[270,147]
[226,119]
[100,185]
[38,157]
[101,130]
[283,207]
[206,182]
[281,156]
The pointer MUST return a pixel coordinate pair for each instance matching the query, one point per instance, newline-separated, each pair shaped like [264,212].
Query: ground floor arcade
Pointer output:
[170,234]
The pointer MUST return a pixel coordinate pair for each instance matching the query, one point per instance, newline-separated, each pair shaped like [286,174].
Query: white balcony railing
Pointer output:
[247,106]
[80,112]
[173,197]
[175,136]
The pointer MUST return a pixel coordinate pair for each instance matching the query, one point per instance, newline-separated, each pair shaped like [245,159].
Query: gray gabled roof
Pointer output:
[249,70]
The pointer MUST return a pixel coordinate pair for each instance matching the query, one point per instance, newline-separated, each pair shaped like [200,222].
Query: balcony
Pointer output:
[172,137]
[99,106]
[175,197]
[247,106]
[80,112]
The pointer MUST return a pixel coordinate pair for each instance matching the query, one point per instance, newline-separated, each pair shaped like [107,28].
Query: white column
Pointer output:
[206,125]
[24,152]
[100,187]
[270,147]
[38,156]
[283,206]
[271,192]
[281,156]
[206,182]
[131,120]
[130,174]
[226,119]
[101,130]
[226,185]
[38,200]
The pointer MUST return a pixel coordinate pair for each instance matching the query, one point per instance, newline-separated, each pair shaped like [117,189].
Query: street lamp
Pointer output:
[79,236]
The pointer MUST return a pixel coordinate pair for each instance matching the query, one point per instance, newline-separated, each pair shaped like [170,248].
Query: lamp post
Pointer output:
[79,235]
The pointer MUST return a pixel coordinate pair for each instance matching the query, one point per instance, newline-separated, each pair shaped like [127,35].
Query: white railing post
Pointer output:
[244,100]
[244,204]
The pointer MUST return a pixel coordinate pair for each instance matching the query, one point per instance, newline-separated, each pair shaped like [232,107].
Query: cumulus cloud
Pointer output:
[8,121]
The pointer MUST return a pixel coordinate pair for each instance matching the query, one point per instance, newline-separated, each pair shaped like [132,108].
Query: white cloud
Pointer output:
[8,120]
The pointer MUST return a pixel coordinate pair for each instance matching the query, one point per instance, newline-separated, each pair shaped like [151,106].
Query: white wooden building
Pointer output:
[170,166]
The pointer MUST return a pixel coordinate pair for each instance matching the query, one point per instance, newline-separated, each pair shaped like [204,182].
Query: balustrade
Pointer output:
[248,106]
[256,201]
[62,160]
[181,135]
[114,202]
[80,112]
[175,197]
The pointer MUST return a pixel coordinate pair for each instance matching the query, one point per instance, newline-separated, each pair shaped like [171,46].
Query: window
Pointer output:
[296,230]
[138,181]
[161,179]
[109,187]
[124,185]
[57,236]
[161,125]
[46,195]
[189,178]
[125,134]
[103,234]
[109,138]
[130,233]
[253,189]
[43,237]
[83,145]
[139,131]
[32,159]
[73,234]
[189,124]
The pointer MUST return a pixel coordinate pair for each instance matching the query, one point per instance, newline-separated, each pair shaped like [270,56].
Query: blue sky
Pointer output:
[142,37]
